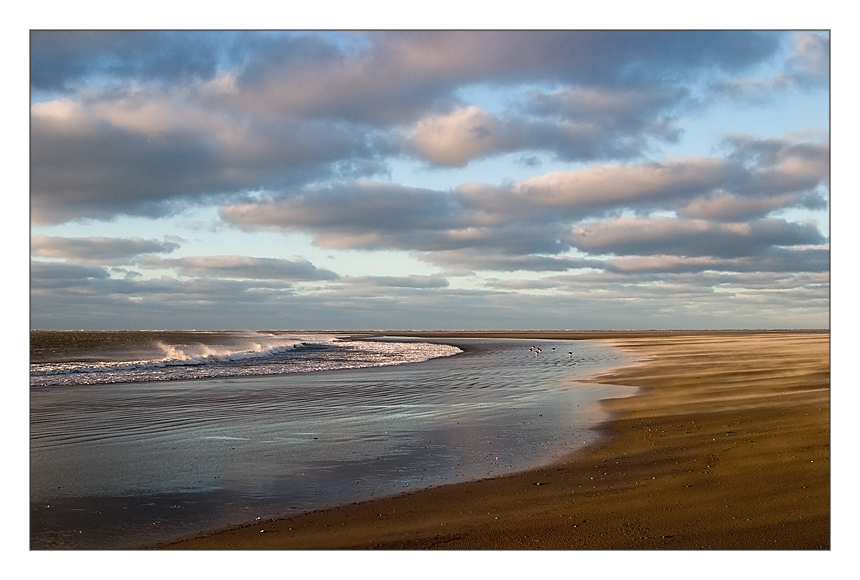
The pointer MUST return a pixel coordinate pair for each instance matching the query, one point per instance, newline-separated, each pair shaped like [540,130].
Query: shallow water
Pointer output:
[128,465]
[66,358]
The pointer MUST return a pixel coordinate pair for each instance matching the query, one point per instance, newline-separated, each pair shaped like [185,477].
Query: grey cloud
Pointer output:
[60,59]
[181,118]
[596,190]
[589,300]
[98,249]
[604,57]
[771,260]
[53,277]
[624,106]
[463,135]
[619,123]
[384,216]
[778,166]
[281,128]
[668,236]
[173,303]
[776,281]
[756,178]
[753,91]
[51,272]
[526,217]
[727,293]
[158,303]
[129,274]
[150,158]
[522,284]
[808,66]
[529,161]
[419,282]
[723,206]
[363,215]
[488,226]
[100,171]
[242,267]
[811,55]
[397,76]
[807,156]
[777,174]
[510,239]
[496,261]
[793,260]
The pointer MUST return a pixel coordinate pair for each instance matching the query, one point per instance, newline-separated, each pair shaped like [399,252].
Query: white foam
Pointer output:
[248,354]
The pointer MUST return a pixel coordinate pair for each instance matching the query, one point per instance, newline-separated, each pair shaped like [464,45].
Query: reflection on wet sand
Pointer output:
[128,465]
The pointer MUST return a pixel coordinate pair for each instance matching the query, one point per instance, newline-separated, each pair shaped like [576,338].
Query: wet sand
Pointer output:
[125,466]
[726,446]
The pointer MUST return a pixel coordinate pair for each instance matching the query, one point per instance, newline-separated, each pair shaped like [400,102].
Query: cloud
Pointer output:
[619,122]
[518,285]
[774,259]
[669,236]
[715,299]
[602,188]
[241,267]
[420,282]
[67,282]
[598,57]
[396,76]
[807,67]
[594,299]
[368,215]
[471,260]
[782,163]
[360,215]
[141,156]
[60,59]
[811,55]
[97,249]
[312,133]
[755,178]
[149,123]
[458,137]
[44,274]
[528,225]
[723,206]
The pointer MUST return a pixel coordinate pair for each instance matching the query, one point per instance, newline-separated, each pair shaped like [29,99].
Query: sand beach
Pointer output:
[726,445]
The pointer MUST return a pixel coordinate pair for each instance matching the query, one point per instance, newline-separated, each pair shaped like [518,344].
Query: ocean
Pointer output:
[143,437]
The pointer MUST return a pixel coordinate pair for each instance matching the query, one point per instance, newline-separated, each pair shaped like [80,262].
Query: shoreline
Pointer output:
[724,446]
[222,453]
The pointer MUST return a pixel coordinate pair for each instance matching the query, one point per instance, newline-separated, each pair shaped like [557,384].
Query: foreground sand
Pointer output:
[727,446]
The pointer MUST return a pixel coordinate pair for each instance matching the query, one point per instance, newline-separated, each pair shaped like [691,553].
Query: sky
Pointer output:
[565,179]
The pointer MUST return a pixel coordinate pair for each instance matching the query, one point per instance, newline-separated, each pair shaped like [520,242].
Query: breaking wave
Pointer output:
[131,357]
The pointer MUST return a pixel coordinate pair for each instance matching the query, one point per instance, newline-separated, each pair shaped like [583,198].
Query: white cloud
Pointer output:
[456,138]
[98,249]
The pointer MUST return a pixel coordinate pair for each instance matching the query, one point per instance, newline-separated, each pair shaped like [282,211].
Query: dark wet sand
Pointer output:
[727,446]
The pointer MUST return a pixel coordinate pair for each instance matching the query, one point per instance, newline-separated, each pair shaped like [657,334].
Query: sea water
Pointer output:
[87,358]
[143,437]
